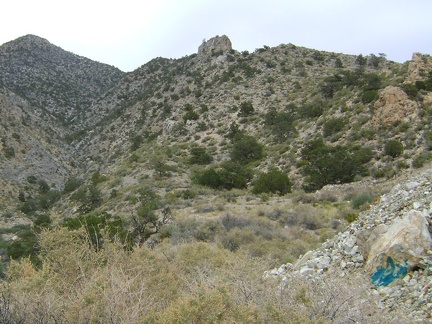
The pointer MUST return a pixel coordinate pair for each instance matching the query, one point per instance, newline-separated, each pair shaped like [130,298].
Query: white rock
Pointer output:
[306,271]
[412,184]
[348,244]
[324,262]
[358,258]
[407,278]
[312,263]
[417,205]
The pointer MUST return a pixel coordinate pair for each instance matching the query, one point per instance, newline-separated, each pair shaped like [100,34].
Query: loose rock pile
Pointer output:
[391,242]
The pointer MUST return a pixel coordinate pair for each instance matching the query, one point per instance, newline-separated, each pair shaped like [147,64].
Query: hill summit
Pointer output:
[215,45]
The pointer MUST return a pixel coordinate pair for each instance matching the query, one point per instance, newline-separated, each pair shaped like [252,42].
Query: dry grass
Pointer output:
[184,283]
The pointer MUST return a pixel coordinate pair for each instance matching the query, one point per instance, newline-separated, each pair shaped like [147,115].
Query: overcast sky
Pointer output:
[129,33]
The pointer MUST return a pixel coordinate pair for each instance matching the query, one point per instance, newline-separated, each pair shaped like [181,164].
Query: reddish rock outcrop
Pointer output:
[393,106]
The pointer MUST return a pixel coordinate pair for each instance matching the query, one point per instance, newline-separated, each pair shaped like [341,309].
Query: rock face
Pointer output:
[218,44]
[417,66]
[400,248]
[392,106]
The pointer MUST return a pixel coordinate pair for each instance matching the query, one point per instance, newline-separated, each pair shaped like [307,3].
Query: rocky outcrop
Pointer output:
[417,67]
[393,106]
[391,242]
[214,46]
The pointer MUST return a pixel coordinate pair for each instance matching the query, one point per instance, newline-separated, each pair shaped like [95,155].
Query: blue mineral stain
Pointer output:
[383,276]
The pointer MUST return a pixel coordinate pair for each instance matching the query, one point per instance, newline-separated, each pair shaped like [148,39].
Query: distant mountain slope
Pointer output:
[61,82]
[284,97]
[201,96]
[30,151]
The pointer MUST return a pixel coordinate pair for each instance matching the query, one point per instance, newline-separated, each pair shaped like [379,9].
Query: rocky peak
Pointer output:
[58,80]
[417,67]
[215,45]
[28,43]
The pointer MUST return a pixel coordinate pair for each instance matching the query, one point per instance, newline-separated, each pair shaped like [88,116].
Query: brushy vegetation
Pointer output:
[274,182]
[185,283]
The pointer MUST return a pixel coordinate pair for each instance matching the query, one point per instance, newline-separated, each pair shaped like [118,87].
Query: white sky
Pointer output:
[129,33]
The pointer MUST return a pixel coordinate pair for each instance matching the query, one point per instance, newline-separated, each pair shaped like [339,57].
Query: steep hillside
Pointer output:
[43,88]
[284,97]
[60,82]
[31,152]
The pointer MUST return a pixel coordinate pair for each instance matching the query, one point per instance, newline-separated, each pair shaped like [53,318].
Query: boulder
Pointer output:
[393,106]
[400,249]
[303,260]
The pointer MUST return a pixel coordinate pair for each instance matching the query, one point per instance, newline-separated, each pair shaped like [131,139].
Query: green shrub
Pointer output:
[190,115]
[362,154]
[30,206]
[95,223]
[25,246]
[43,186]
[97,178]
[222,178]
[351,217]
[43,220]
[371,81]
[361,60]
[387,171]
[274,181]
[200,156]
[246,149]
[333,126]
[410,89]
[428,138]
[281,124]
[188,194]
[325,164]
[338,63]
[393,148]
[361,201]
[71,185]
[32,179]
[90,198]
[9,152]
[136,141]
[175,97]
[48,199]
[331,85]
[210,178]
[312,110]
[418,161]
[246,109]
[369,96]
[238,169]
